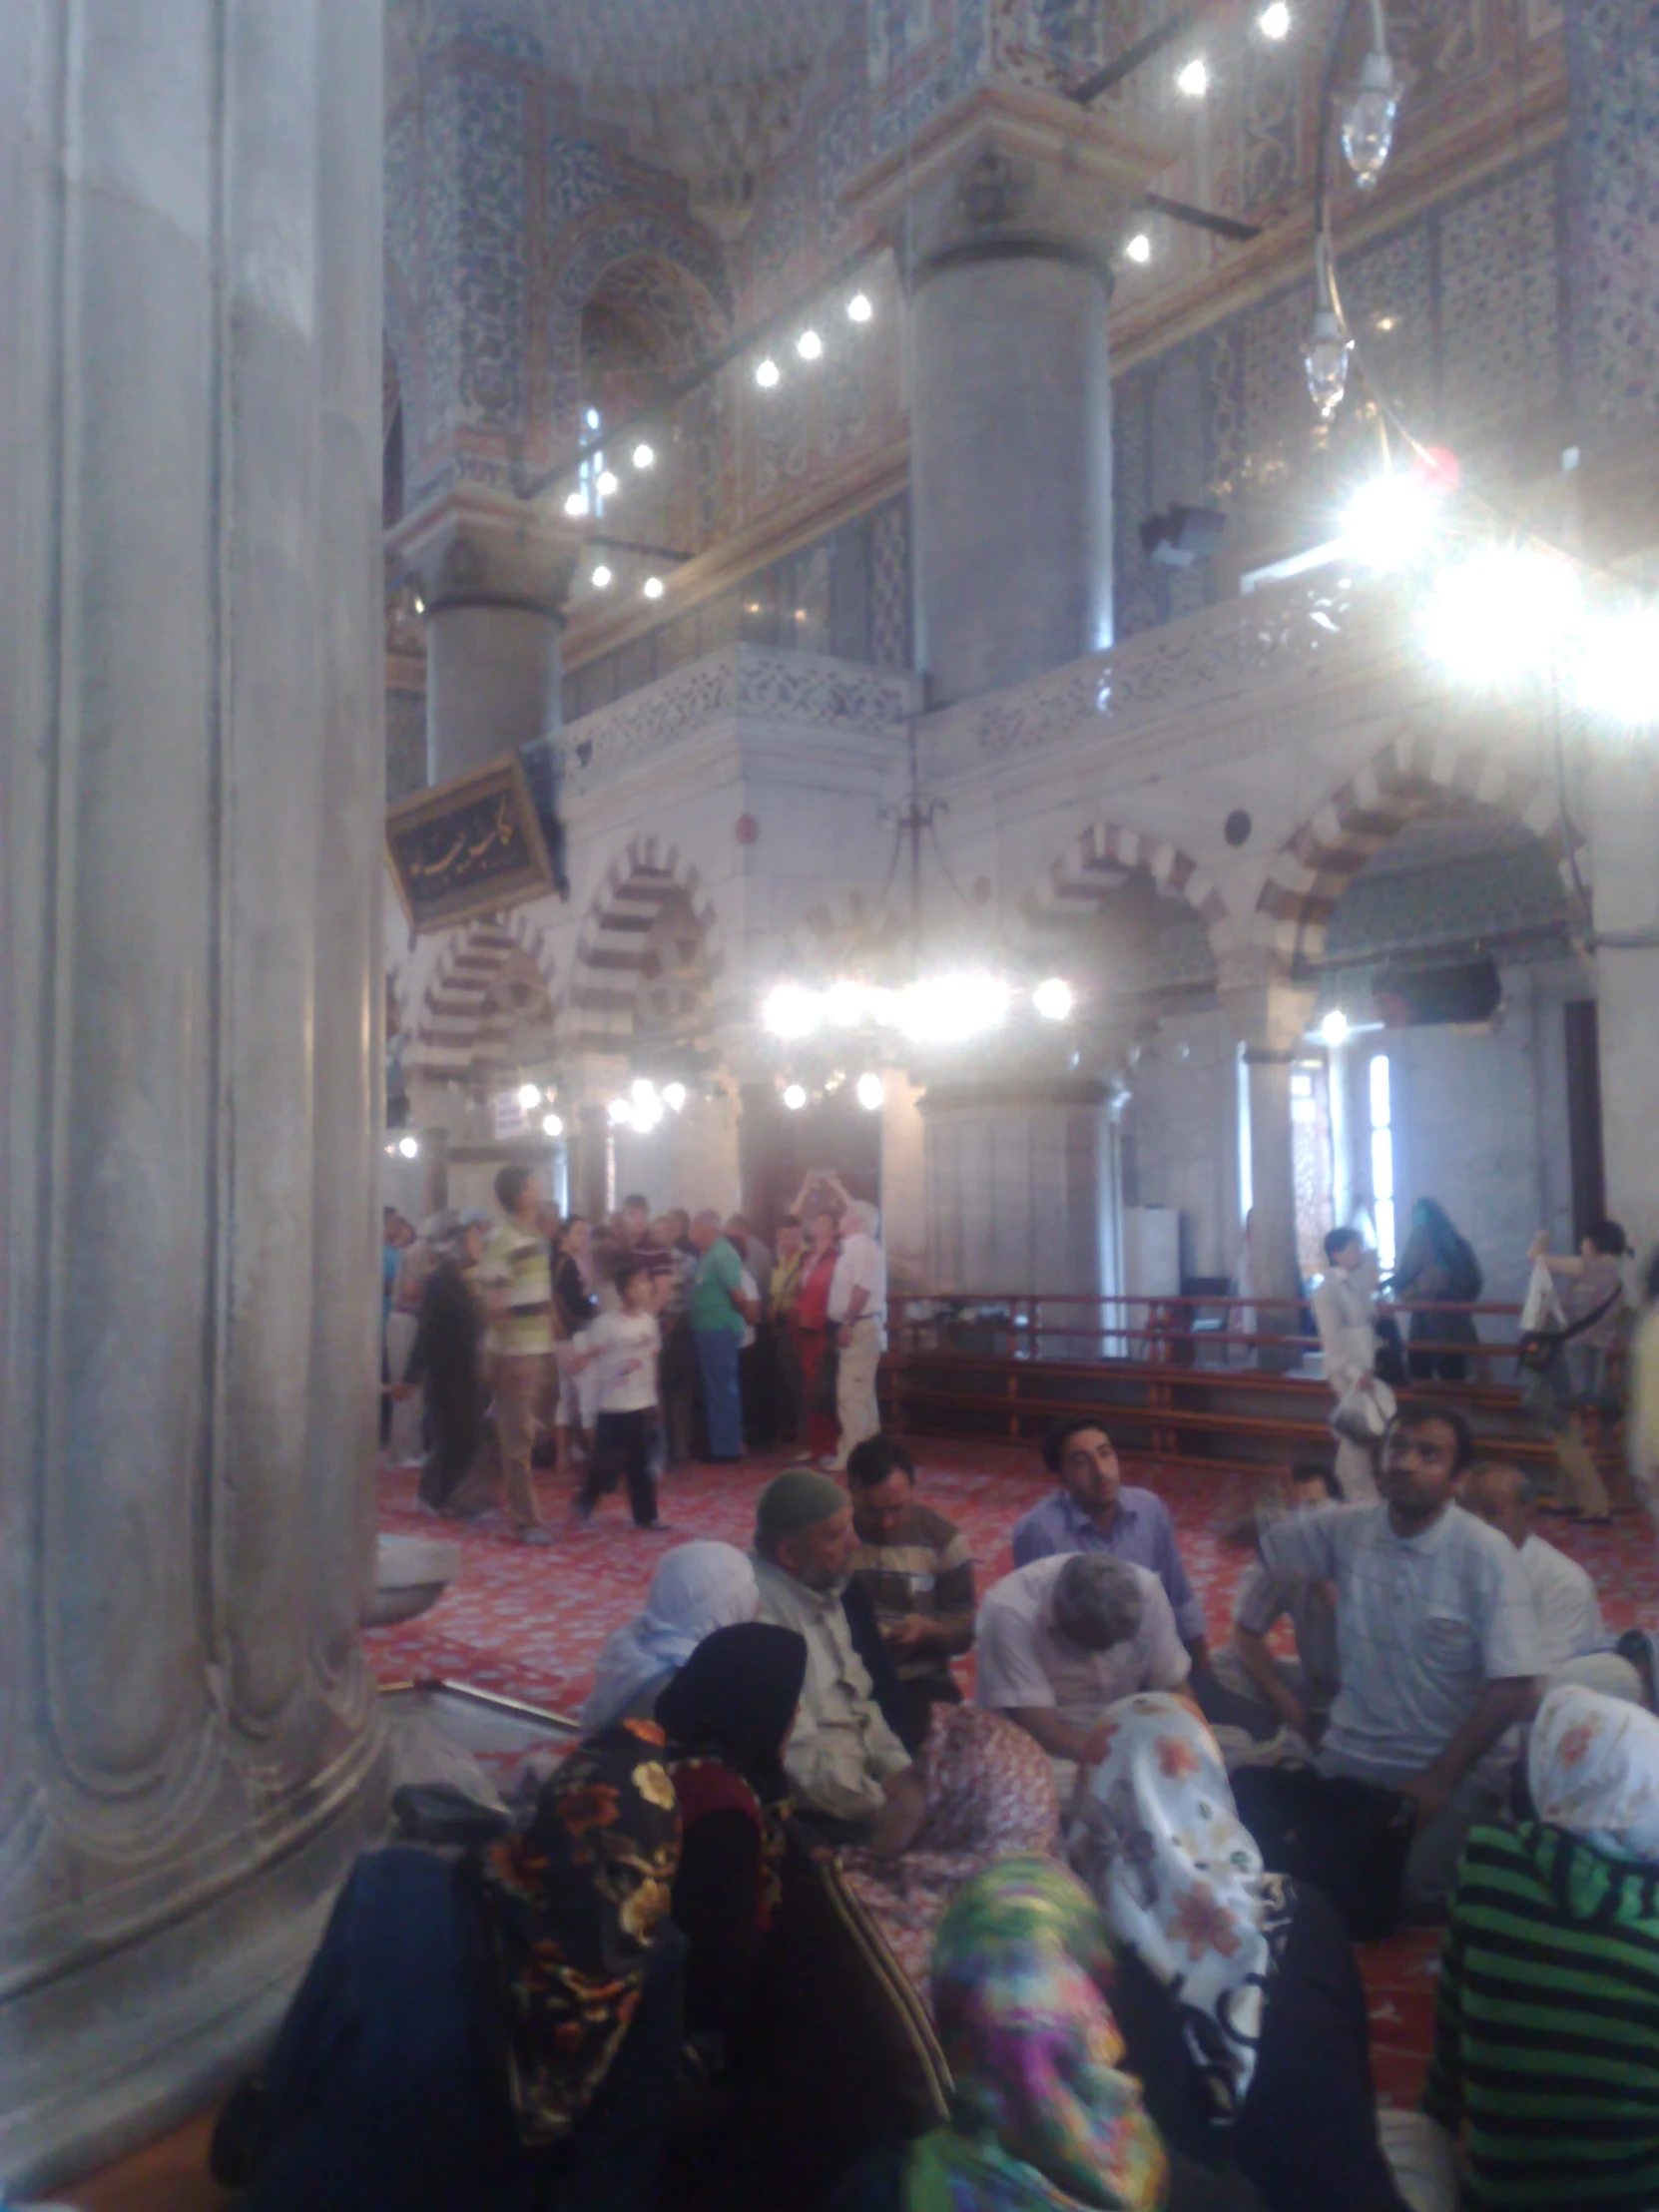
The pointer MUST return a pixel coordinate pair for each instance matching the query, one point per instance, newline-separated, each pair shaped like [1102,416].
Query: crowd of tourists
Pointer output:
[801,1924]
[612,1351]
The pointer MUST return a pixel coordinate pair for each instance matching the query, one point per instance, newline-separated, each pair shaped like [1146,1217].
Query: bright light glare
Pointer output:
[1193,82]
[948,1009]
[1138,248]
[529,1094]
[1500,614]
[871,1092]
[767,373]
[1618,666]
[795,1097]
[607,485]
[601,577]
[1275,20]
[645,456]
[409,1147]
[1333,1028]
[673,1097]
[576,504]
[844,1004]
[646,1107]
[653,587]
[552,1125]
[809,345]
[1390,521]
[791,1012]
[859,309]
[621,1112]
[1053,999]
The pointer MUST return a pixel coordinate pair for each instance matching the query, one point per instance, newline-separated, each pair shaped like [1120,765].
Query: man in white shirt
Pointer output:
[1060,1640]
[1344,1312]
[859,1316]
[1565,1597]
[1436,1636]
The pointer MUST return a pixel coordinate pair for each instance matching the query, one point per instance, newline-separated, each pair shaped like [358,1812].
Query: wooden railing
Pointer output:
[1217,1381]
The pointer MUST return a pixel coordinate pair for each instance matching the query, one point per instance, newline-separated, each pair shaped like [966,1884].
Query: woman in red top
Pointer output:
[811,1330]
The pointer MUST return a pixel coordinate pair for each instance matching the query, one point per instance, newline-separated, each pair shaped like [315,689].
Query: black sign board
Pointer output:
[469,846]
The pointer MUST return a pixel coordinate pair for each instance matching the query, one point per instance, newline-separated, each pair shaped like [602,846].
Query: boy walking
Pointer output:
[625,1343]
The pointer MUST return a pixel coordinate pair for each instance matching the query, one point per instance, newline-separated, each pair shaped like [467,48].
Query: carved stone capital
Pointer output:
[473,553]
[1003,172]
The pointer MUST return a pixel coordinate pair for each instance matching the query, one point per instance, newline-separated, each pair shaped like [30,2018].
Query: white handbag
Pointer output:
[1364,1412]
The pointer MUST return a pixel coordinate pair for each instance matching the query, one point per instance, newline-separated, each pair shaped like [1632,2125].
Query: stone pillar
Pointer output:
[191,741]
[1004,217]
[1624,805]
[493,580]
[1272,1021]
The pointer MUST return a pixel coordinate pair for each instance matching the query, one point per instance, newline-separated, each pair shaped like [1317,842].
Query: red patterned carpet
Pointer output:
[529,1623]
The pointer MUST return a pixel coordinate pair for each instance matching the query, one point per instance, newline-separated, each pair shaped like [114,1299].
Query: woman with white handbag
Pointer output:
[1343,1311]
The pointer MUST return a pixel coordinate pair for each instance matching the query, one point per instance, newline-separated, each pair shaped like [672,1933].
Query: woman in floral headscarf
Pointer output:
[1546,2034]
[1238,1994]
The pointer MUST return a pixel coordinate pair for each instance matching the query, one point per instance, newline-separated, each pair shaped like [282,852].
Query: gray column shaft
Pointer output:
[1020,1191]
[493,683]
[1624,806]
[1273,1254]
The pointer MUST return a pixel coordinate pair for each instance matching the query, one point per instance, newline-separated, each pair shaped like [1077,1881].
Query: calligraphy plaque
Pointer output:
[470,846]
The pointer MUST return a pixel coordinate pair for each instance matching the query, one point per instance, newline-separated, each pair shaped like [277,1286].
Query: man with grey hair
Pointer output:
[1062,1639]
[858,1319]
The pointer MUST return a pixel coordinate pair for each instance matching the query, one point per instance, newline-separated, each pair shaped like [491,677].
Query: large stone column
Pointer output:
[1004,219]
[1273,1021]
[493,579]
[1624,806]
[191,745]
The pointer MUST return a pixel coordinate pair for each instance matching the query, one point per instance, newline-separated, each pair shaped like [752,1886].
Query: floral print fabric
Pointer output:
[1160,1843]
[1042,2116]
[574,1906]
[990,1795]
[1593,1767]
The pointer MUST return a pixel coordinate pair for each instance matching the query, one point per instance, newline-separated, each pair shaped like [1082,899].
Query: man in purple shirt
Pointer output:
[1093,1510]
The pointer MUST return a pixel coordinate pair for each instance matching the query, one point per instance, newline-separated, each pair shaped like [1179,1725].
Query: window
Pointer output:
[1382,1158]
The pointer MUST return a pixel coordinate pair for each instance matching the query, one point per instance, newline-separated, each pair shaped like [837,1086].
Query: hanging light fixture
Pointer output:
[1369,120]
[1324,357]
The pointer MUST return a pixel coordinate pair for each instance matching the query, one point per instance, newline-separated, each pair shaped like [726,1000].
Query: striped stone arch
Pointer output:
[646,949]
[491,986]
[1089,868]
[1409,779]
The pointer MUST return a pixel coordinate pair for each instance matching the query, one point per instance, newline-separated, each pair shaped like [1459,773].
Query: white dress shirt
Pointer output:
[1569,1618]
[863,1266]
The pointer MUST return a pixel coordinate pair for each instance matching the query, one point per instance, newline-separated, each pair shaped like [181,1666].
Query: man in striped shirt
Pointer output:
[917,1573]
[516,1279]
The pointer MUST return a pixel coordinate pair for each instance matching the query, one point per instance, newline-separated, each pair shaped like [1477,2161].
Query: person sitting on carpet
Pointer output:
[727,1714]
[850,1772]
[917,1572]
[1547,2033]
[1563,1596]
[488,2036]
[696,1588]
[1272,1692]
[1241,2005]
[1436,1635]
[1064,1638]
[1044,2115]
[990,1795]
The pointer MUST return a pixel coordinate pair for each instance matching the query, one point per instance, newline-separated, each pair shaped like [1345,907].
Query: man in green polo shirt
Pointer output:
[718,1314]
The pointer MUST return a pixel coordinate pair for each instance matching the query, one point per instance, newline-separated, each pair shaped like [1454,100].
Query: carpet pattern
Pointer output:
[528,1623]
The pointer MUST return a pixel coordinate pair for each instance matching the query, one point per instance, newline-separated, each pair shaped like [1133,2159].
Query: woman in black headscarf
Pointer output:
[727,1714]
[1437,1267]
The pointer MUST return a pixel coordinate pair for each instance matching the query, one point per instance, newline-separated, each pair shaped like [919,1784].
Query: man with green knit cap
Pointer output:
[848,1772]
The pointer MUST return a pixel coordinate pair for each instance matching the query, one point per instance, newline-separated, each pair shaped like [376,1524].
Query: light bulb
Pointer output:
[645,456]
[592,419]
[1325,361]
[608,486]
[767,373]
[1193,82]
[647,1106]
[872,1092]
[621,1113]
[795,1097]
[420,603]
[1502,613]
[409,1147]
[1275,20]
[674,1096]
[576,505]
[1368,124]
[859,309]
[552,1125]
[791,1011]
[1138,248]
[600,577]
[529,1094]
[1391,521]
[948,1009]
[809,345]
[653,587]
[1334,1027]
[1053,999]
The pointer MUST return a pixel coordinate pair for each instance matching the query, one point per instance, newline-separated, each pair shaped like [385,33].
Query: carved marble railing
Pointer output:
[741,681]
[1223,654]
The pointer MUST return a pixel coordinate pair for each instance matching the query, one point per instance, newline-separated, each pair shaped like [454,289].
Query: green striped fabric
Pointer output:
[1546,2034]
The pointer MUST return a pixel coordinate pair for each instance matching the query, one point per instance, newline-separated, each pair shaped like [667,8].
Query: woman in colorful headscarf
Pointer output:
[487,2036]
[1238,1994]
[1546,2037]
[696,1588]
[990,1796]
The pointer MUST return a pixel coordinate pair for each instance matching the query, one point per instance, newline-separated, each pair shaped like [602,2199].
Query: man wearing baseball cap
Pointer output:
[848,1772]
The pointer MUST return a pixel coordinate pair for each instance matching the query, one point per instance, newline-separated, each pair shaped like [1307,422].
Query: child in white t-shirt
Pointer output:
[623,1345]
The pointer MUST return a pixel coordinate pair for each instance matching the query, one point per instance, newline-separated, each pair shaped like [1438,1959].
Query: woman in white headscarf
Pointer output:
[1238,1996]
[696,1588]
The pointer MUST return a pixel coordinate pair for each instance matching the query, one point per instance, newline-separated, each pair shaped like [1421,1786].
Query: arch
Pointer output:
[1409,780]
[1094,864]
[645,949]
[491,980]
[668,252]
